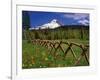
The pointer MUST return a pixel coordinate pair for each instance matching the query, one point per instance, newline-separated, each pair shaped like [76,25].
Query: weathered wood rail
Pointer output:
[55,45]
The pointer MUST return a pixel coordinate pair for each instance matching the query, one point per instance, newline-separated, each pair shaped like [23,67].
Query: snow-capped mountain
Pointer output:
[52,25]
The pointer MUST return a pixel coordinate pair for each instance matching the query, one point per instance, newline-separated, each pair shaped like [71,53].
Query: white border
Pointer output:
[18,73]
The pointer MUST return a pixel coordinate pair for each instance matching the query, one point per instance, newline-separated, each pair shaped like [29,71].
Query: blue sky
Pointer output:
[38,18]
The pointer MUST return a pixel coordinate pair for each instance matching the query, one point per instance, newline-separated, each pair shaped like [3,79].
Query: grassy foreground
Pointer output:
[36,56]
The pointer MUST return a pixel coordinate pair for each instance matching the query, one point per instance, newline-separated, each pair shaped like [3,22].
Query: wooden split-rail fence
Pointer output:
[55,45]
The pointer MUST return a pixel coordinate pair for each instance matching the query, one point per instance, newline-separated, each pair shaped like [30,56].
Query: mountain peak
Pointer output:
[54,20]
[51,25]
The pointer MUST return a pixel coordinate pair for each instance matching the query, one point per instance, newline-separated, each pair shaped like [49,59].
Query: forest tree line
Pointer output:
[63,32]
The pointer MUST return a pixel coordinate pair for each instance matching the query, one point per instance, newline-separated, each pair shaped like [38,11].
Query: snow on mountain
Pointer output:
[52,25]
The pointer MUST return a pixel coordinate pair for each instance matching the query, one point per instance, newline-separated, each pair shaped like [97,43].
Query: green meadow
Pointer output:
[37,56]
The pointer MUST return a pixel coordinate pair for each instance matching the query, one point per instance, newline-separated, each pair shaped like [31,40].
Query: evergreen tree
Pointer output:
[25,20]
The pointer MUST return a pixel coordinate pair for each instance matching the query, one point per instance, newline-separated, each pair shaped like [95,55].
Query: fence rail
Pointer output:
[53,46]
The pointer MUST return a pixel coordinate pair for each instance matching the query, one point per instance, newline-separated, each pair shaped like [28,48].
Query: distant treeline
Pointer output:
[63,32]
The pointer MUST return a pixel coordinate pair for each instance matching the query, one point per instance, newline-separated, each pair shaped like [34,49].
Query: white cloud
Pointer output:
[76,16]
[80,18]
[84,22]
